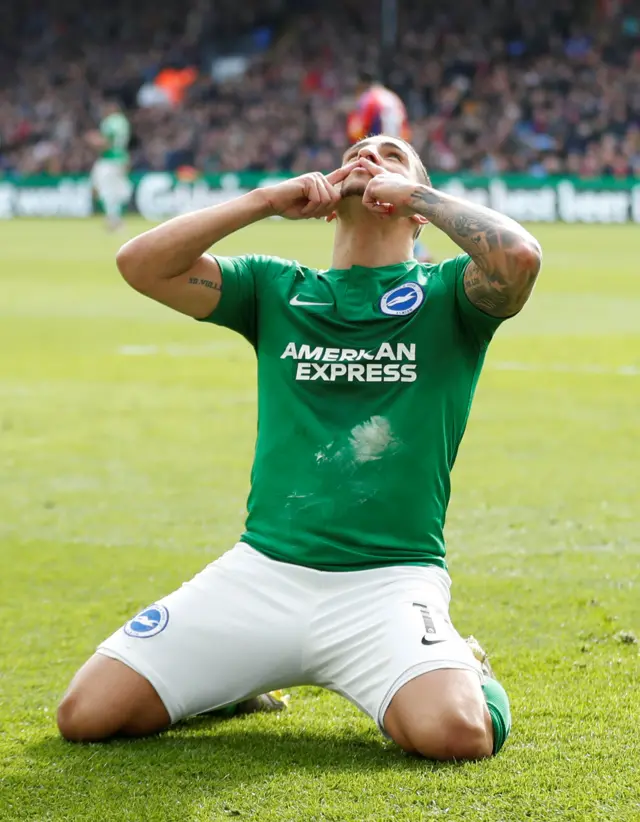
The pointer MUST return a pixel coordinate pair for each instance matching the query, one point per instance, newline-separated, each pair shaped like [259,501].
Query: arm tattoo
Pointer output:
[505,258]
[205,283]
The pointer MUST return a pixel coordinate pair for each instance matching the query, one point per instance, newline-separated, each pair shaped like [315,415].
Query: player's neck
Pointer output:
[373,245]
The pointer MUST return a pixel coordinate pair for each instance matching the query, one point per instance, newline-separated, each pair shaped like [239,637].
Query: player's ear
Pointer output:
[419,218]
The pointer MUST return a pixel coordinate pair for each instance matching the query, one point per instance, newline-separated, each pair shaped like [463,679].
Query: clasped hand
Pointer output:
[317,195]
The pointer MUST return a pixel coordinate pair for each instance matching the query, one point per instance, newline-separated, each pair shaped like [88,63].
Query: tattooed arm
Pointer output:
[169,263]
[505,258]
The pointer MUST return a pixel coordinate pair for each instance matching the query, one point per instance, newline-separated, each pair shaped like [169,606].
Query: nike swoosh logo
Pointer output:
[297,301]
[426,641]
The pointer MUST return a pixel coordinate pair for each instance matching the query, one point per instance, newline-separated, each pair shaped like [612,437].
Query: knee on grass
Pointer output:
[455,736]
[80,722]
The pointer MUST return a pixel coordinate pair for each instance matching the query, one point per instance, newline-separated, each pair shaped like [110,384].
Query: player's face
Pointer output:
[387,152]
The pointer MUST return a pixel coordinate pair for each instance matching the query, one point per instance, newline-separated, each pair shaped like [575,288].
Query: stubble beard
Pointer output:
[353,188]
[352,192]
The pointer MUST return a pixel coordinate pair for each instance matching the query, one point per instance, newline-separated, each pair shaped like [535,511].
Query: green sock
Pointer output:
[498,705]
[227,711]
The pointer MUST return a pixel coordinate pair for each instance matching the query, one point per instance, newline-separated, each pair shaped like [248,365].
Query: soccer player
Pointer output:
[378,110]
[109,174]
[366,373]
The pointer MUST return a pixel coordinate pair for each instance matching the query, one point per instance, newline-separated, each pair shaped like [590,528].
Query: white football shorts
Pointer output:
[110,179]
[248,624]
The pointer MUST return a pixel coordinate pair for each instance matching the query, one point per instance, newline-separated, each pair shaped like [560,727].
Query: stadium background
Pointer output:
[126,430]
[539,90]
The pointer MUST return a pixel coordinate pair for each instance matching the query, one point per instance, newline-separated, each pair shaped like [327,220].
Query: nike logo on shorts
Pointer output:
[426,641]
[297,301]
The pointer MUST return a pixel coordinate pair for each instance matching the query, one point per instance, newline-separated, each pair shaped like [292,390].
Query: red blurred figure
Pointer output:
[378,111]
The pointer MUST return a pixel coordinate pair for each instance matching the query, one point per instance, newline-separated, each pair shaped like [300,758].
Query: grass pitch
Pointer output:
[126,436]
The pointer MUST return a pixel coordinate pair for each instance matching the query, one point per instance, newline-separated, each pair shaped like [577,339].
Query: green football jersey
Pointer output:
[365,381]
[116,130]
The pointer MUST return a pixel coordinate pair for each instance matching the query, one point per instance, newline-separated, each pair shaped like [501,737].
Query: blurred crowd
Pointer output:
[491,86]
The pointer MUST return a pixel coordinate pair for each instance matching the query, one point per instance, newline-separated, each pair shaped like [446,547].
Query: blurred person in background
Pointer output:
[378,110]
[110,173]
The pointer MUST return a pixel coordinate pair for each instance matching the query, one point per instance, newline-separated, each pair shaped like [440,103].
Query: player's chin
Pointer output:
[353,188]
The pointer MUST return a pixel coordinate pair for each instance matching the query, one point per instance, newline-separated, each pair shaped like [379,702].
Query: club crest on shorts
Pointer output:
[401,300]
[149,622]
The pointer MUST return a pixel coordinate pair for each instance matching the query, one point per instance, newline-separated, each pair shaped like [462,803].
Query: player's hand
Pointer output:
[310,195]
[387,193]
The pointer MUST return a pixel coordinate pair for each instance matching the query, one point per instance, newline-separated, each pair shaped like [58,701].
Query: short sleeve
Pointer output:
[478,323]
[238,306]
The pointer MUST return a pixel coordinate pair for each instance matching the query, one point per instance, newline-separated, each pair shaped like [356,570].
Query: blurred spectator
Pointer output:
[539,87]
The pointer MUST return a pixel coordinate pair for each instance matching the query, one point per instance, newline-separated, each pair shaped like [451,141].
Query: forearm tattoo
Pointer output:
[505,262]
[205,283]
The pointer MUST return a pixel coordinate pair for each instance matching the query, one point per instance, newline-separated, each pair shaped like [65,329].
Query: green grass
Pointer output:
[126,437]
